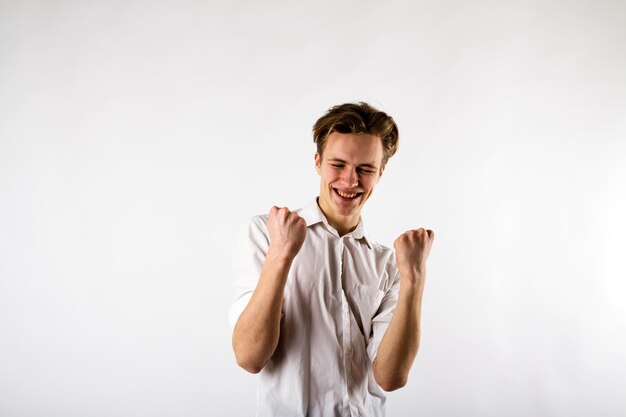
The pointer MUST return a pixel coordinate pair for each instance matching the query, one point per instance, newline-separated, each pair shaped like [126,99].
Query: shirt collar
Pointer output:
[312,214]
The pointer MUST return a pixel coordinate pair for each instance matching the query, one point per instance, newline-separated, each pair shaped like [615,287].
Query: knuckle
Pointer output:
[402,239]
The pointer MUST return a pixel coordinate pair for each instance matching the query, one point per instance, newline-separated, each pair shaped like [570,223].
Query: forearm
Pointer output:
[257,331]
[400,343]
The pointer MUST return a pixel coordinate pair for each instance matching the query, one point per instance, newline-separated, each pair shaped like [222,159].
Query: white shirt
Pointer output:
[339,298]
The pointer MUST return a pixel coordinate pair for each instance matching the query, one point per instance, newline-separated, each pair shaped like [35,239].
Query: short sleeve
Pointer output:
[248,259]
[381,320]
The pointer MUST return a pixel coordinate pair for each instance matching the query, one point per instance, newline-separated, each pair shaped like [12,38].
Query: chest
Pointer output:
[330,272]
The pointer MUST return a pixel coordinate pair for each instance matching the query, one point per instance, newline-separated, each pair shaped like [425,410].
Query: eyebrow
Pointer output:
[368,165]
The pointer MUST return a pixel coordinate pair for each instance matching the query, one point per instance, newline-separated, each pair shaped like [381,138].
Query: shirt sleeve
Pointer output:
[381,320]
[248,259]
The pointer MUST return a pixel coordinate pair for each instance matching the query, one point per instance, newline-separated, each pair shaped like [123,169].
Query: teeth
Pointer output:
[345,195]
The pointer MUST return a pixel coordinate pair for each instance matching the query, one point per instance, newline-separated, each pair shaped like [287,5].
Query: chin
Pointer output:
[348,211]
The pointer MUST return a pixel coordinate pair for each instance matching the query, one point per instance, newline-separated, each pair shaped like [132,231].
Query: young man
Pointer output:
[329,317]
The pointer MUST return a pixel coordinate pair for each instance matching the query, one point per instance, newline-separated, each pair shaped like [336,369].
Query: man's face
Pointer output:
[349,171]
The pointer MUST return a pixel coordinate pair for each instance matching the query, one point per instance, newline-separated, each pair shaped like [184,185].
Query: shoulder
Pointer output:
[384,261]
[259,221]
[376,246]
[255,229]
[381,251]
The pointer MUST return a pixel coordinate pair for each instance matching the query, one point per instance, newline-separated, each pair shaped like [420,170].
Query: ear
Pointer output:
[382,169]
[318,163]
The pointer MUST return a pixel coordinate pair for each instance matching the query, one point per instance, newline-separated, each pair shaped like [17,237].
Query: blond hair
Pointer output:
[357,118]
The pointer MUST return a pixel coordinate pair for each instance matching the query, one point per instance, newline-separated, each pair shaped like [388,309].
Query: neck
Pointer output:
[342,224]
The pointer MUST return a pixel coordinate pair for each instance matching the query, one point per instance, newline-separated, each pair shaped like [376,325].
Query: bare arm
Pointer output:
[400,343]
[257,331]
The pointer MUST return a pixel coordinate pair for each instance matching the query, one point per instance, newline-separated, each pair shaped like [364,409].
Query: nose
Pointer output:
[350,178]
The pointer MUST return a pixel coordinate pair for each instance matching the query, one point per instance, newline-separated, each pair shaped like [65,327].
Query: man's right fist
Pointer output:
[287,232]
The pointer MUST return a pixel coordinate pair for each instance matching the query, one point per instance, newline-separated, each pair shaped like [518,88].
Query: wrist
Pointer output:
[278,260]
[412,278]
[279,256]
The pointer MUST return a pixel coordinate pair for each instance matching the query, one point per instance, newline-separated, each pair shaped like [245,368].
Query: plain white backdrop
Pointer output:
[137,137]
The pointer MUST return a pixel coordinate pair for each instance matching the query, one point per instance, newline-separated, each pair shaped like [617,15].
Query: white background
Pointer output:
[136,138]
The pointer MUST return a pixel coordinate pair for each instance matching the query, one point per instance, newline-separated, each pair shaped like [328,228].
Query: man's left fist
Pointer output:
[412,249]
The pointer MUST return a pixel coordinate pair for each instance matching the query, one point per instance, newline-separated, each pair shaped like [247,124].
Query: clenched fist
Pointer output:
[287,232]
[412,249]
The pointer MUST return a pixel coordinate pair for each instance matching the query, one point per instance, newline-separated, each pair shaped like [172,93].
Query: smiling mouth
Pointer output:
[347,196]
